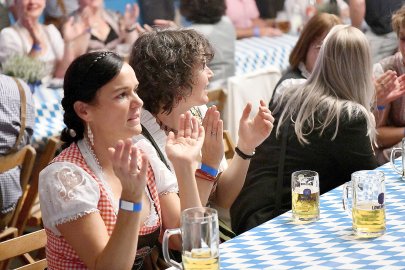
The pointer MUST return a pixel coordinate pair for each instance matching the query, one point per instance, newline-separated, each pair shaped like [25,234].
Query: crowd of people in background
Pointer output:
[141,144]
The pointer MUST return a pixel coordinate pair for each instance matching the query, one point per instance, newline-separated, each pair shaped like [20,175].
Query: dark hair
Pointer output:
[318,25]
[164,61]
[84,77]
[203,11]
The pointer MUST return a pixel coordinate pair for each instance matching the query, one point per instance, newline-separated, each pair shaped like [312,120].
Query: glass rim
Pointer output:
[311,172]
[372,173]
[211,212]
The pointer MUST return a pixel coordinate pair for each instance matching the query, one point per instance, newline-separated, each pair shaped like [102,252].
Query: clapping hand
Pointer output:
[389,87]
[252,132]
[77,33]
[213,147]
[185,147]
[124,158]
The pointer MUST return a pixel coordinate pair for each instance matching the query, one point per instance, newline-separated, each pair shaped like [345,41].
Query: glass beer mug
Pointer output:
[392,159]
[368,208]
[200,237]
[305,196]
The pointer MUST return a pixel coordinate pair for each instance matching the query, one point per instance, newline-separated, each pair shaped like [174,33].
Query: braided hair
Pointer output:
[84,77]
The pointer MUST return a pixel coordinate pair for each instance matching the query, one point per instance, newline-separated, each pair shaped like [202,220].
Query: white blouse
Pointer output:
[67,192]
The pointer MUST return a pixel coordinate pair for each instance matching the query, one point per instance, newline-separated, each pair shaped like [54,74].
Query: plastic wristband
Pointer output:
[209,170]
[203,175]
[36,47]
[130,206]
[243,155]
[380,107]
[256,31]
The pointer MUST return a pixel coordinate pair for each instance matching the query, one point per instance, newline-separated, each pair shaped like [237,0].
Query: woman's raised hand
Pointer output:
[77,34]
[124,158]
[252,132]
[185,146]
[389,87]
[213,147]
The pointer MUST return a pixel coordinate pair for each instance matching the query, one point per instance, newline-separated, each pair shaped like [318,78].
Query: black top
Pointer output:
[378,14]
[334,160]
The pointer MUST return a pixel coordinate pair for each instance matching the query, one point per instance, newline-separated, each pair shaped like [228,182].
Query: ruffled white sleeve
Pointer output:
[66,193]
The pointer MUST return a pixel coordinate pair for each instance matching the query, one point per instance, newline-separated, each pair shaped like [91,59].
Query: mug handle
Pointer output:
[165,247]
[392,157]
[345,198]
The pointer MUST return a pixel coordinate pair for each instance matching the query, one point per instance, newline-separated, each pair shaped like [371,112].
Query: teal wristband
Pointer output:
[256,31]
[130,206]
[209,170]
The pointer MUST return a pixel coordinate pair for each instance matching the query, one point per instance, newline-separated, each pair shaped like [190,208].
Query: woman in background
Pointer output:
[305,52]
[325,124]
[44,42]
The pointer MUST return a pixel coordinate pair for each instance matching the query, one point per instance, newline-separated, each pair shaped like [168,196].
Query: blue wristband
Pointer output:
[256,31]
[207,169]
[36,47]
[130,206]
[380,107]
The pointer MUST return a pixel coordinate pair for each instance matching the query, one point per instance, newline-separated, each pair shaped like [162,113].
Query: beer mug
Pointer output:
[368,209]
[305,196]
[392,158]
[200,236]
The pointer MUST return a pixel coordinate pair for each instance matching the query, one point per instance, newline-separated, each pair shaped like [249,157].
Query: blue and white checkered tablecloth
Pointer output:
[325,244]
[48,115]
[262,52]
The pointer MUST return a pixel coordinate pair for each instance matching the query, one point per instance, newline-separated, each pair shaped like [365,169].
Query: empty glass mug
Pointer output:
[392,158]
[200,237]
[305,195]
[368,208]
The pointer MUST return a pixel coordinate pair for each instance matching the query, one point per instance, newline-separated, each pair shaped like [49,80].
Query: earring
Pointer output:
[90,135]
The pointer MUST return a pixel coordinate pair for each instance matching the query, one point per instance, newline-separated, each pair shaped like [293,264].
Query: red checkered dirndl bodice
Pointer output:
[59,254]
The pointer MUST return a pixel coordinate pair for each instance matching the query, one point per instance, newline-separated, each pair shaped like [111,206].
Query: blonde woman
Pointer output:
[325,125]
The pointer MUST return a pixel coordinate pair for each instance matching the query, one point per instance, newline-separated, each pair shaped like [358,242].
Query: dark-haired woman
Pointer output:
[99,198]
[171,66]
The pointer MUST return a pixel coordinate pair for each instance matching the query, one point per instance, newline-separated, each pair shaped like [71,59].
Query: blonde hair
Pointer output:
[340,82]
[398,19]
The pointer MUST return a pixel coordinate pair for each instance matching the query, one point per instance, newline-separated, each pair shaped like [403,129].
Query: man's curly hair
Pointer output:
[164,62]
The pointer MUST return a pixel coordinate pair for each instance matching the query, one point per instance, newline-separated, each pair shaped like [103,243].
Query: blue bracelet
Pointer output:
[36,47]
[256,31]
[207,169]
[380,107]
[130,206]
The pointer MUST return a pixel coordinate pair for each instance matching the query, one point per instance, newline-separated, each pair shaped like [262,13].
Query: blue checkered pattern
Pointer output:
[49,115]
[325,244]
[262,52]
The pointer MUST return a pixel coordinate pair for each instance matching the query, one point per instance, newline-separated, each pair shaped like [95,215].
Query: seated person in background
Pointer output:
[207,17]
[56,11]
[377,14]
[99,198]
[4,16]
[305,52]
[10,124]
[107,28]
[325,125]
[28,36]
[180,57]
[390,74]
[245,17]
